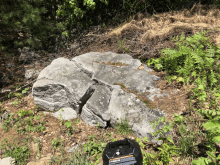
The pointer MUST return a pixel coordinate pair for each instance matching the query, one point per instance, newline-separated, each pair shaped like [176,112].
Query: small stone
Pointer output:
[5,90]
[31,73]
[159,142]
[72,149]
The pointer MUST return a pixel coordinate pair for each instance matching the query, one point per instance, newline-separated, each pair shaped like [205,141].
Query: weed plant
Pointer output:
[123,127]
[121,46]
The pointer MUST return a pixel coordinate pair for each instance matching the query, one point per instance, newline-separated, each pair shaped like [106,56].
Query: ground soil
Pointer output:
[145,37]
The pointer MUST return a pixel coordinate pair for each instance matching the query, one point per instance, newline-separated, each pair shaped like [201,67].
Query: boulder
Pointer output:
[89,86]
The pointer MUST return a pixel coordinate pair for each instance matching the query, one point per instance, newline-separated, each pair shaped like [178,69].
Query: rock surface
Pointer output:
[87,86]
[7,161]
[31,73]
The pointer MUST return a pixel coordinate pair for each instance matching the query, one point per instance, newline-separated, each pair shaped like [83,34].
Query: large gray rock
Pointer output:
[62,85]
[86,86]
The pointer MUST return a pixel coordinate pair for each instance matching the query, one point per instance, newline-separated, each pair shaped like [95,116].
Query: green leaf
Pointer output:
[89,148]
[25,90]
[38,117]
[201,161]
[42,129]
[158,66]
[211,155]
[212,126]
[31,112]
[180,79]
[218,157]
[216,139]
[22,113]
[178,118]
[169,139]
[218,96]
[174,77]
[68,124]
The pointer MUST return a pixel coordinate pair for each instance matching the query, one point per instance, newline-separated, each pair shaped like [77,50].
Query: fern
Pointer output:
[203,161]
[213,127]
[217,96]
[194,63]
[210,113]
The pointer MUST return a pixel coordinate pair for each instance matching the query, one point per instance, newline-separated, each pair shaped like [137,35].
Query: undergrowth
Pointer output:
[195,136]
[195,62]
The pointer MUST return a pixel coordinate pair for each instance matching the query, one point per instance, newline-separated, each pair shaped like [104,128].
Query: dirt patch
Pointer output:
[54,129]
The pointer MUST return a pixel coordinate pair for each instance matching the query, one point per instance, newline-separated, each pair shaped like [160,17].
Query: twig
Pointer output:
[24,86]
[19,88]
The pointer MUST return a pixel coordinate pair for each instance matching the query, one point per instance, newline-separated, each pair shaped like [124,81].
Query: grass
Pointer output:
[122,48]
[123,127]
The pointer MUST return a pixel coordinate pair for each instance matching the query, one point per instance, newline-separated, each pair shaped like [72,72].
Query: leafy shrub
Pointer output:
[27,23]
[191,60]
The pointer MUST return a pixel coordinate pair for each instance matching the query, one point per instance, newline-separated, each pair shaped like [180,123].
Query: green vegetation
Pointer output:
[38,24]
[123,127]
[28,23]
[19,153]
[121,46]
[41,24]
[18,95]
[195,61]
[194,64]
